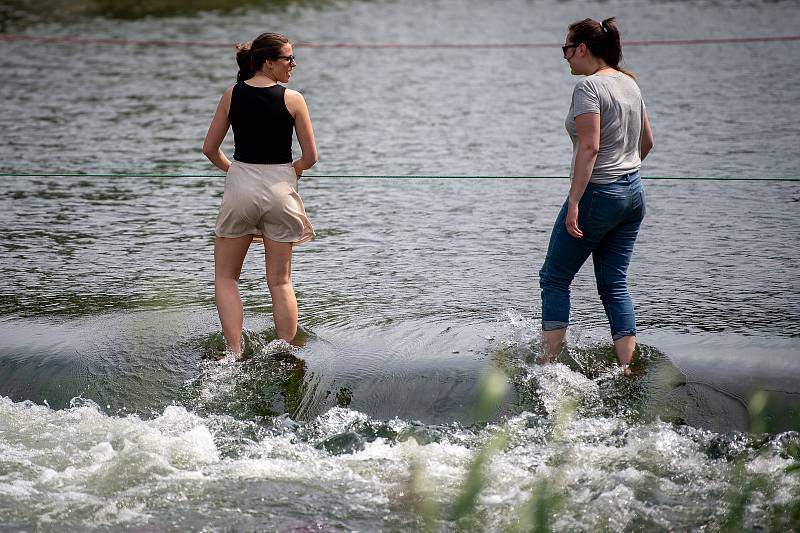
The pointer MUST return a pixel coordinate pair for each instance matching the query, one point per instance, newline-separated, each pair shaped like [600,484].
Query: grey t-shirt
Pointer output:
[618,100]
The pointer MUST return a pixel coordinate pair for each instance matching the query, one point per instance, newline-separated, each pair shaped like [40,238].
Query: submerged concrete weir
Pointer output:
[730,383]
[412,374]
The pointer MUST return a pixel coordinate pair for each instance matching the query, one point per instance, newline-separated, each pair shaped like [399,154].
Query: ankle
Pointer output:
[233,347]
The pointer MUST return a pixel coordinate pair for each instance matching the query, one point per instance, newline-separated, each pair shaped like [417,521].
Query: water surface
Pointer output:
[114,414]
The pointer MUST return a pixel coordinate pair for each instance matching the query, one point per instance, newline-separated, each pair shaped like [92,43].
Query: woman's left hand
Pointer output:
[298,173]
[572,221]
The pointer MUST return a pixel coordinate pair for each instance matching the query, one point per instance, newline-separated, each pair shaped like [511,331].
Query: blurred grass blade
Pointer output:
[491,393]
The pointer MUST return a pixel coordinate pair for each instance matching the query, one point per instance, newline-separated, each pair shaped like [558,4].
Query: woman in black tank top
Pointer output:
[261,198]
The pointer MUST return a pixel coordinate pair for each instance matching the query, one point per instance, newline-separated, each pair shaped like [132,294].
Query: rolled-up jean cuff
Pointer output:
[627,333]
[551,325]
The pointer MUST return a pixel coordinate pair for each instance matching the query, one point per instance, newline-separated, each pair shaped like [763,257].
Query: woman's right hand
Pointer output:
[572,220]
[297,171]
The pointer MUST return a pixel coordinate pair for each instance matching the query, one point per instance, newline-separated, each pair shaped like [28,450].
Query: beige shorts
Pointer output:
[263,200]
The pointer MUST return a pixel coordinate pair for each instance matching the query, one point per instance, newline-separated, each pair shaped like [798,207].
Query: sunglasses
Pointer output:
[290,58]
[567,47]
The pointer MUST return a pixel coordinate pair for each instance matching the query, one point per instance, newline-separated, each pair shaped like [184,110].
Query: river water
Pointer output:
[115,415]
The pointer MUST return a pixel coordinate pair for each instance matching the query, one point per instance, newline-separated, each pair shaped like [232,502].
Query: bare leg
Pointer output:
[229,256]
[624,347]
[552,341]
[279,281]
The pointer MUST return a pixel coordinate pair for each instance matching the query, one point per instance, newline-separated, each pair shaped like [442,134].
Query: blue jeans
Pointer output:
[609,216]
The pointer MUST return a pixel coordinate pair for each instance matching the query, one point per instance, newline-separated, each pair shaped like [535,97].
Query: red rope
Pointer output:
[161,42]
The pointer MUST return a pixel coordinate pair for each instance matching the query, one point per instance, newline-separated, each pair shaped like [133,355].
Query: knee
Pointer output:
[227,273]
[279,280]
[226,278]
[552,282]
[612,288]
[602,289]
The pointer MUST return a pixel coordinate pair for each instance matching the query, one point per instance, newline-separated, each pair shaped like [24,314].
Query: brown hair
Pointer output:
[252,55]
[602,40]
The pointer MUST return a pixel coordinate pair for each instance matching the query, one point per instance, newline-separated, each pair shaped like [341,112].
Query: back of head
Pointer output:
[250,56]
[602,40]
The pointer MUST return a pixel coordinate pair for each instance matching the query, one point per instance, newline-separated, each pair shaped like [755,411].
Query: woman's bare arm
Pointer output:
[305,132]
[588,126]
[216,133]
[646,144]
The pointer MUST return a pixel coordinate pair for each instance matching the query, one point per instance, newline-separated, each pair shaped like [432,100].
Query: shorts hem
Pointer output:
[235,235]
[300,240]
[303,239]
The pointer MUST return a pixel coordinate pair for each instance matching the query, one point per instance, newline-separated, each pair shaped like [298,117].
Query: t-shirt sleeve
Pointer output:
[585,99]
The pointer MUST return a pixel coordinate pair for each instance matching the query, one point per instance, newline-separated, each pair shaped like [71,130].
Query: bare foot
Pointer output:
[630,372]
[545,359]
[230,357]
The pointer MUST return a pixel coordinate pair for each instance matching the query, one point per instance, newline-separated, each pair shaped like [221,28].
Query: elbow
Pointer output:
[648,141]
[647,147]
[210,149]
[591,150]
[311,159]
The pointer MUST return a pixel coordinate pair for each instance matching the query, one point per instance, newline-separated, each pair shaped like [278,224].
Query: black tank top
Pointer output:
[262,126]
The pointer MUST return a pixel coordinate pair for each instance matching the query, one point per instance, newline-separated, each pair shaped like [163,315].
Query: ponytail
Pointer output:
[244,58]
[613,48]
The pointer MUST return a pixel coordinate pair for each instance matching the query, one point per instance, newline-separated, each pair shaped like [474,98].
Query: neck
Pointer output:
[264,76]
[598,67]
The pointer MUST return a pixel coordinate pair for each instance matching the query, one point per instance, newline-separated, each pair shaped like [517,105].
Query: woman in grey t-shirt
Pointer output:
[610,134]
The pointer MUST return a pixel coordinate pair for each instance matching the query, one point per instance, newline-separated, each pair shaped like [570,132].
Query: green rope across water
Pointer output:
[349,176]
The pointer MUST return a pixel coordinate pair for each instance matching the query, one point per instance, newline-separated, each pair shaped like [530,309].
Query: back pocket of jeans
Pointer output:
[605,207]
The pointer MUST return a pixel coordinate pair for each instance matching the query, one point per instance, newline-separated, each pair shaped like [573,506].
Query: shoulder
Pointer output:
[292,95]
[624,88]
[225,100]
[632,84]
[294,101]
[586,88]
[226,96]
[588,84]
